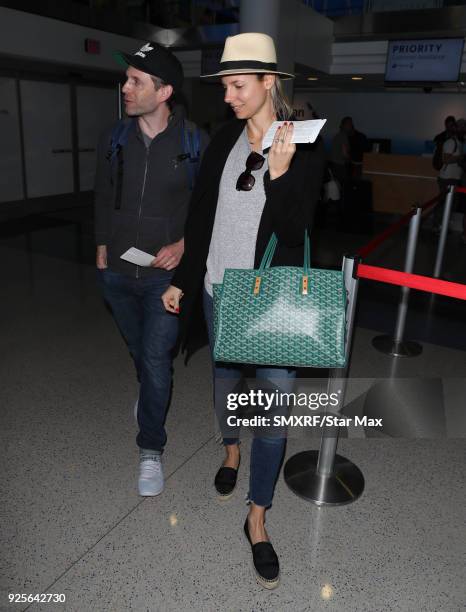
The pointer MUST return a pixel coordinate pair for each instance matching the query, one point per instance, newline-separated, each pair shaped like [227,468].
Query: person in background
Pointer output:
[451,171]
[340,155]
[358,145]
[312,110]
[450,128]
[461,197]
[243,196]
[143,184]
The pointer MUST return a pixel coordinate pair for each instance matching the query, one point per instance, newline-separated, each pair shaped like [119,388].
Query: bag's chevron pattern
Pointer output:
[280,326]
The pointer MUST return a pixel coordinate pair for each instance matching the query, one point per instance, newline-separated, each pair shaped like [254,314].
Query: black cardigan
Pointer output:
[289,208]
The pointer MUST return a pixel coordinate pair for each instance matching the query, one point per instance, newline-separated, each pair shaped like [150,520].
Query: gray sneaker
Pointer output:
[150,481]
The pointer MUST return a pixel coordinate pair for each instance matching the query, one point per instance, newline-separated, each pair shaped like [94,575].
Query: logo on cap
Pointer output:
[144,50]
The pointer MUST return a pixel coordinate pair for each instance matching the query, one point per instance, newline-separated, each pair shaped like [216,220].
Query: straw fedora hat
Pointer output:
[249,53]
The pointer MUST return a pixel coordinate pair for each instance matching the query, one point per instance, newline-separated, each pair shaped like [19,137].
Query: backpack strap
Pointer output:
[192,150]
[118,140]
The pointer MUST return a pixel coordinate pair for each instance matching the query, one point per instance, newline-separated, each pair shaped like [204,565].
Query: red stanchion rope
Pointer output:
[460,190]
[374,243]
[413,281]
[430,203]
[391,229]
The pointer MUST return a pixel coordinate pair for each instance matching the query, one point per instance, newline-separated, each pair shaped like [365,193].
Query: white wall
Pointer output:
[409,119]
[28,36]
[314,39]
[47,138]
[304,36]
[301,34]
[11,183]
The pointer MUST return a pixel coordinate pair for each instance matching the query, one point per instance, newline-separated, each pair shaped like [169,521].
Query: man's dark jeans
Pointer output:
[150,333]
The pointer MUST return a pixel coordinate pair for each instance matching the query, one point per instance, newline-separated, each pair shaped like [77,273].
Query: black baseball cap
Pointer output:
[157,61]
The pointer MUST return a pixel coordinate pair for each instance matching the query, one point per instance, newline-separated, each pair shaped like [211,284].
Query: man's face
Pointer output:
[140,95]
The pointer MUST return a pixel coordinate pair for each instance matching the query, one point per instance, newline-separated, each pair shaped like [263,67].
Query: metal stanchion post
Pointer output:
[324,477]
[443,234]
[396,346]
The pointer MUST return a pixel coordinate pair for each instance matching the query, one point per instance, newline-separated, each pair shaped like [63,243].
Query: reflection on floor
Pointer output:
[74,524]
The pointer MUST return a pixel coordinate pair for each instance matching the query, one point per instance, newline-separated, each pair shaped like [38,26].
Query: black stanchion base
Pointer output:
[389,346]
[344,486]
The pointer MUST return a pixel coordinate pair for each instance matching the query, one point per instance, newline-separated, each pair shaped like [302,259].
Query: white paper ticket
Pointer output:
[303,131]
[140,258]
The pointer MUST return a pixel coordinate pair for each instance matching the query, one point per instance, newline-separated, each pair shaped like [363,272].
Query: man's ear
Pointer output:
[165,92]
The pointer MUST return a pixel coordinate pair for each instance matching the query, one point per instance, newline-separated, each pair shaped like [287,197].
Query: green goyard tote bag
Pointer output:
[281,316]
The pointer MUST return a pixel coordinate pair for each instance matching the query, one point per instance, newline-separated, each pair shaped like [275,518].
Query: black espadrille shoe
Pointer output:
[225,482]
[265,561]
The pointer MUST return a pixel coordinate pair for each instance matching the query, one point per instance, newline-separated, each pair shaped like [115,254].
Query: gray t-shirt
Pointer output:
[147,139]
[233,242]
[452,171]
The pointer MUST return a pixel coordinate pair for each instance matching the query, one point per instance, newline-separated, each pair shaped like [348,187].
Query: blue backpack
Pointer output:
[191,152]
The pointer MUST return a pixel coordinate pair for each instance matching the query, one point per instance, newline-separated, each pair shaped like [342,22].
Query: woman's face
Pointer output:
[246,94]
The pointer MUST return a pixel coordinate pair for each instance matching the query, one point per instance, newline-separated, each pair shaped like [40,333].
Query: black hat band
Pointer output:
[249,64]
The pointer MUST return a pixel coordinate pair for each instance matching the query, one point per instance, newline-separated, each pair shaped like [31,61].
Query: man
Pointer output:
[451,170]
[340,156]
[358,145]
[450,128]
[143,186]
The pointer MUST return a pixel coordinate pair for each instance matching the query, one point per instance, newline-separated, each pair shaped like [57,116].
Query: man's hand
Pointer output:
[169,256]
[101,257]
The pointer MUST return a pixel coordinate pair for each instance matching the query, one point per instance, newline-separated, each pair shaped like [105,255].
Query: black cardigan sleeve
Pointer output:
[194,229]
[291,199]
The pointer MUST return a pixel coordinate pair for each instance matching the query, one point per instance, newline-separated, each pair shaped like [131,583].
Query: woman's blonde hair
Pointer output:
[281,105]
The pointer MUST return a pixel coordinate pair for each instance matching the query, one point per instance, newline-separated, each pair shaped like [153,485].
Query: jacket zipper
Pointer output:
[140,204]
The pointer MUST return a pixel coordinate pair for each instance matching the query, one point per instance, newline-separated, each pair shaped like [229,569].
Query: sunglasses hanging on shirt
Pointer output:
[246,180]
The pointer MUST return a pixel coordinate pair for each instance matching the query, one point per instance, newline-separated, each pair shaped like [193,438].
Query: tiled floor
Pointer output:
[72,521]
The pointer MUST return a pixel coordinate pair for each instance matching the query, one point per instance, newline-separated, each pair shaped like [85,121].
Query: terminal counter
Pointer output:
[399,181]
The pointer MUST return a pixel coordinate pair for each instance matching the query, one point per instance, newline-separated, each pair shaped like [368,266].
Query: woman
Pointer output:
[242,197]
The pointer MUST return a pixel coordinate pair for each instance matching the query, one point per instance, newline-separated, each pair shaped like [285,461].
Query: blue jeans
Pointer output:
[266,451]
[150,333]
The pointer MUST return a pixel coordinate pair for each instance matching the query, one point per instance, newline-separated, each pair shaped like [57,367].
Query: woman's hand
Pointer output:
[171,299]
[282,150]
[101,257]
